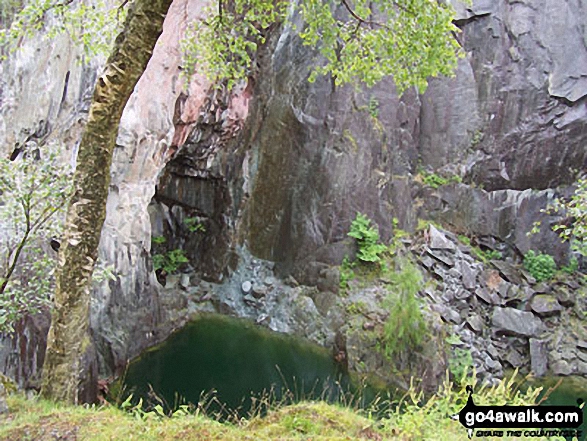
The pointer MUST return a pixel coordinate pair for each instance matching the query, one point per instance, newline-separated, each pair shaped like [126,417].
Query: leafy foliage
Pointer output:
[170,261]
[224,44]
[575,209]
[367,238]
[194,225]
[434,180]
[91,24]
[346,273]
[574,226]
[405,327]
[572,267]
[541,266]
[409,39]
[360,41]
[33,191]
[460,362]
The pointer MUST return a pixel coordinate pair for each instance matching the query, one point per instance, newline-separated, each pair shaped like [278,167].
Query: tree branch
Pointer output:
[362,20]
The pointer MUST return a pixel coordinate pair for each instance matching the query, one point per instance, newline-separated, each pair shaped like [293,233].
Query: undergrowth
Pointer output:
[413,416]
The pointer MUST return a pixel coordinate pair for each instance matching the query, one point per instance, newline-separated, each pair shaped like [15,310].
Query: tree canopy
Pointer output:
[358,41]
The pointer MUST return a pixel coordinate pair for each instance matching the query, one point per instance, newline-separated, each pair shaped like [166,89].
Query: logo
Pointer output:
[550,420]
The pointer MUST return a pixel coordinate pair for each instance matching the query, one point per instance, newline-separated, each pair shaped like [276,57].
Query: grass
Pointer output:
[414,418]
[37,419]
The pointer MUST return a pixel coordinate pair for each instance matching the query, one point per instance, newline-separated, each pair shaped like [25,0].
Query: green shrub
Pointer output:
[405,327]
[434,180]
[464,239]
[346,273]
[194,225]
[460,362]
[158,240]
[541,266]
[367,238]
[572,267]
[487,255]
[169,261]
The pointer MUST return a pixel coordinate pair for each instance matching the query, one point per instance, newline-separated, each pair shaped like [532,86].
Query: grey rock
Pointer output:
[447,314]
[515,359]
[427,261]
[329,280]
[582,344]
[324,301]
[462,294]
[492,351]
[515,322]
[263,320]
[246,286]
[442,257]
[504,290]
[368,326]
[492,364]
[252,301]
[3,405]
[475,322]
[564,297]
[259,291]
[469,276]
[542,288]
[508,271]
[438,241]
[580,367]
[184,281]
[538,357]
[545,305]
[487,296]
[568,352]
[561,367]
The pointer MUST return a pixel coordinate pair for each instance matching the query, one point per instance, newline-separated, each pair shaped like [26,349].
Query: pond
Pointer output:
[239,360]
[566,394]
[236,359]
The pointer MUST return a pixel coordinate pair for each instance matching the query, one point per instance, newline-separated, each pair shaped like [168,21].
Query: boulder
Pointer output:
[515,359]
[441,256]
[545,305]
[564,297]
[538,357]
[469,275]
[246,287]
[508,271]
[515,322]
[562,367]
[489,297]
[438,241]
[475,322]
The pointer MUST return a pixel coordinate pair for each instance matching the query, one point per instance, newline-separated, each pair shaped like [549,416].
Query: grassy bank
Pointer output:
[419,419]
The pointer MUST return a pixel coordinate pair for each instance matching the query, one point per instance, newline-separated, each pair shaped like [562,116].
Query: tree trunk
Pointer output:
[69,372]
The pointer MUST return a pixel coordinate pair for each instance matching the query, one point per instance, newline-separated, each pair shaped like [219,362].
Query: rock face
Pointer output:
[281,167]
[513,321]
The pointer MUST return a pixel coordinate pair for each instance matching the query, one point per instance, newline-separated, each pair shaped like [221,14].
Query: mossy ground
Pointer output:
[37,419]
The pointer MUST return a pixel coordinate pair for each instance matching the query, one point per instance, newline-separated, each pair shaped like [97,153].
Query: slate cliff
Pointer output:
[279,168]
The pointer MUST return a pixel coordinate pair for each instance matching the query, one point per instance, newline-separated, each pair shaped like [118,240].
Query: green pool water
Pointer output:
[236,359]
[240,360]
[567,394]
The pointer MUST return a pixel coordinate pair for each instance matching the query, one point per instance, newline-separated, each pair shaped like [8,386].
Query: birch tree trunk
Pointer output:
[69,372]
